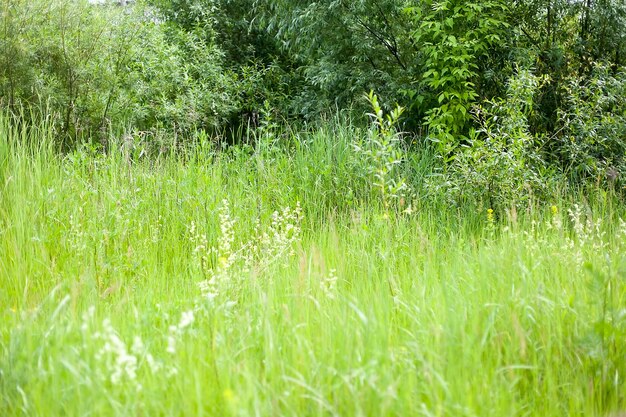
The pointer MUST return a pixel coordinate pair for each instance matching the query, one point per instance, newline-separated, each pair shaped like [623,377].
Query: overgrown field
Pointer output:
[269,281]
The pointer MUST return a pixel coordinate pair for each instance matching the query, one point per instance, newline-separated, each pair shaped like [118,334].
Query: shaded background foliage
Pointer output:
[168,69]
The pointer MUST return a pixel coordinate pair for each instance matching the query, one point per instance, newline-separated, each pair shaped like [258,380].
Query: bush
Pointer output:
[592,141]
[501,163]
[62,56]
[102,68]
[178,83]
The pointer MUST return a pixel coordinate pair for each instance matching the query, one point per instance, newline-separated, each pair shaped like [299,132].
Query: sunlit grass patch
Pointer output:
[249,285]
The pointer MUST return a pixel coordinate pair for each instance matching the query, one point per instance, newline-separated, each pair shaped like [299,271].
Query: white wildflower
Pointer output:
[176,331]
[153,364]
[329,284]
[171,340]
[186,319]
[171,372]
[114,353]
[137,348]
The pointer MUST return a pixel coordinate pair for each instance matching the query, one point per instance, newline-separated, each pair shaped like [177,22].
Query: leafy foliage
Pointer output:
[344,48]
[501,164]
[103,68]
[165,69]
[65,55]
[383,153]
[454,35]
[179,83]
[592,125]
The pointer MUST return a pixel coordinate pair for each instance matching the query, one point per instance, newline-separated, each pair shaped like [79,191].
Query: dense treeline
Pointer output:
[510,96]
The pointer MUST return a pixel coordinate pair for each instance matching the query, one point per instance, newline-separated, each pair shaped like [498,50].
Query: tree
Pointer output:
[344,47]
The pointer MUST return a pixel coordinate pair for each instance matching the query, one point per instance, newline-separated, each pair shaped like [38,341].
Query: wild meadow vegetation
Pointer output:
[203,212]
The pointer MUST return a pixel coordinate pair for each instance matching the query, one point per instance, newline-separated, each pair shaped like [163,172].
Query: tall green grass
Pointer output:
[350,311]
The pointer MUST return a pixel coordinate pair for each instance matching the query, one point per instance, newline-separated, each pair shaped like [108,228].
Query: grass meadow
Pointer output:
[270,280]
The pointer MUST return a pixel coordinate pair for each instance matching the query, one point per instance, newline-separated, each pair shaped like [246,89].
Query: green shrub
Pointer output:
[178,83]
[454,35]
[591,144]
[98,69]
[501,163]
[62,56]
[382,154]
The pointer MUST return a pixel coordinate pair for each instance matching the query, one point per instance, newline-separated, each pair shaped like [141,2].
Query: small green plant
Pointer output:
[603,341]
[384,153]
